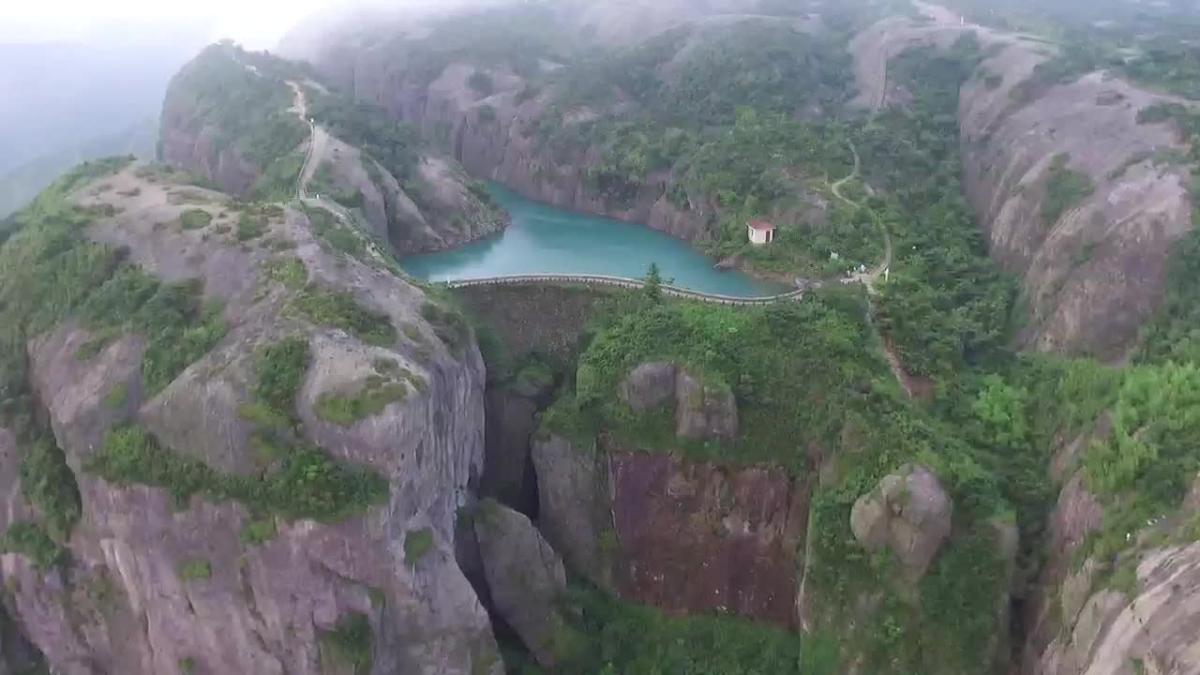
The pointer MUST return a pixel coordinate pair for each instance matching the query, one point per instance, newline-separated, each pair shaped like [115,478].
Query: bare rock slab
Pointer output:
[525,576]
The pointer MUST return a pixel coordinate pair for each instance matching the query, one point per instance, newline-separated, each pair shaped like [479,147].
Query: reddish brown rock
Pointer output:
[701,539]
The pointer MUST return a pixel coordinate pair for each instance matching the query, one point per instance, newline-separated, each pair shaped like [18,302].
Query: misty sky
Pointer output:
[258,24]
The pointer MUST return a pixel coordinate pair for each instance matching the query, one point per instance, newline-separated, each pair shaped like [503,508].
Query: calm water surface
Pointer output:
[547,240]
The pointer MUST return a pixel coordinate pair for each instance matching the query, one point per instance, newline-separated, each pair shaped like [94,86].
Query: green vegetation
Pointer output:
[1065,189]
[449,325]
[249,111]
[178,326]
[280,178]
[350,643]
[371,129]
[290,272]
[946,306]
[31,541]
[324,183]
[339,237]
[299,482]
[259,531]
[49,484]
[619,637]
[196,569]
[281,368]
[377,393]
[250,226]
[416,544]
[195,219]
[306,483]
[341,310]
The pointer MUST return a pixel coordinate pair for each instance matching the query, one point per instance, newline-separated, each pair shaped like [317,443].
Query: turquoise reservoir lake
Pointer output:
[547,240]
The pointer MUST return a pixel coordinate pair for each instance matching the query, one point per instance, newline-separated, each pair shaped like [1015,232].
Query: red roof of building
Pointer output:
[761,225]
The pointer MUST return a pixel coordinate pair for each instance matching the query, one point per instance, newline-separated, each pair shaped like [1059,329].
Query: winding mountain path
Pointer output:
[868,279]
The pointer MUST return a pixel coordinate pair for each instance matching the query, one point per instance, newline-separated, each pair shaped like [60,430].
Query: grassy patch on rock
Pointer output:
[377,393]
[299,481]
[1065,189]
[417,543]
[610,635]
[349,645]
[195,219]
[306,483]
[49,484]
[196,569]
[31,541]
[341,310]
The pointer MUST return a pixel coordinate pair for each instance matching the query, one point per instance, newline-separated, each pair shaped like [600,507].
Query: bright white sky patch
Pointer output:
[257,24]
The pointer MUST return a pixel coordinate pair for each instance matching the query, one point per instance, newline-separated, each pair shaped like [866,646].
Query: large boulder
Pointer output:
[525,576]
[704,411]
[575,509]
[909,513]
[649,386]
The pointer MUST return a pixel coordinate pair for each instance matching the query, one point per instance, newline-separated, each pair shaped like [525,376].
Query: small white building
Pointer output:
[760,232]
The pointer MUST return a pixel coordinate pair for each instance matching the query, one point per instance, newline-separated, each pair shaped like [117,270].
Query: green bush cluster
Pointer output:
[340,237]
[195,219]
[30,540]
[178,325]
[370,128]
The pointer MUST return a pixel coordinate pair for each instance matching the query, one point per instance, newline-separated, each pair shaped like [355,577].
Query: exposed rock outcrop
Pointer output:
[696,538]
[222,107]
[703,411]
[526,577]
[1095,275]
[575,511]
[157,586]
[687,537]
[494,136]
[908,513]
[1155,628]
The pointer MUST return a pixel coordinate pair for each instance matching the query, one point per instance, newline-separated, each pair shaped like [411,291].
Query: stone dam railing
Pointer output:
[620,282]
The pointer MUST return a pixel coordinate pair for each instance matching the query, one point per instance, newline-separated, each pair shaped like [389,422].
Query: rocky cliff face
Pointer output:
[1135,612]
[495,137]
[1087,225]
[240,121]
[164,581]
